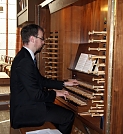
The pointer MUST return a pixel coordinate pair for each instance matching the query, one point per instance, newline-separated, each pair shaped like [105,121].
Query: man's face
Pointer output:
[39,41]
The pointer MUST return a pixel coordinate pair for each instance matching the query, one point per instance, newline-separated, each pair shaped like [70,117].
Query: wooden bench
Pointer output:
[44,126]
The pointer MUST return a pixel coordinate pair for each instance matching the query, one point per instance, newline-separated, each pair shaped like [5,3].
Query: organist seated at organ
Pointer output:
[31,104]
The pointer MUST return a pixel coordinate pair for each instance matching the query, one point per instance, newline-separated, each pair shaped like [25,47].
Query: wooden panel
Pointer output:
[117,88]
[73,24]
[44,20]
[79,19]
[57,5]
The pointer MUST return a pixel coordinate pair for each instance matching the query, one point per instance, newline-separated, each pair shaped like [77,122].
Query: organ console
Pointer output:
[87,99]
[97,89]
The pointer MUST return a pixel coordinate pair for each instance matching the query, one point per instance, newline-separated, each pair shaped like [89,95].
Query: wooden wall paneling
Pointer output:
[58,22]
[61,43]
[83,25]
[92,16]
[54,22]
[82,21]
[76,17]
[61,14]
[103,15]
[67,19]
[44,22]
[88,18]
[57,5]
[75,28]
[117,86]
[97,14]
[54,26]
[67,43]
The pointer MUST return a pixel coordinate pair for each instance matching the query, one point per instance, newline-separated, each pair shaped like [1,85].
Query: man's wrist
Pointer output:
[63,84]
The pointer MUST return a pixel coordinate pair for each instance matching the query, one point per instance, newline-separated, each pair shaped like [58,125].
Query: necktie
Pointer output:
[35,62]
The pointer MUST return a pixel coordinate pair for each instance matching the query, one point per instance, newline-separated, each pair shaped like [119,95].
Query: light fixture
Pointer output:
[46,2]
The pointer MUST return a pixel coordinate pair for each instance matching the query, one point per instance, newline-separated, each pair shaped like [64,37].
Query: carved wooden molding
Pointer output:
[59,4]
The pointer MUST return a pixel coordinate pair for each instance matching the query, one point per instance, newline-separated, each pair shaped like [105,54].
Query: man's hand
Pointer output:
[71,82]
[63,93]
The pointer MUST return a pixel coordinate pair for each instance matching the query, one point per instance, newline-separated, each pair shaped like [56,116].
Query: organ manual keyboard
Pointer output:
[87,99]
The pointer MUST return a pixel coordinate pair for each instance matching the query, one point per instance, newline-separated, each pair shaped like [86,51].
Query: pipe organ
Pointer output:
[86,45]
[90,93]
[86,99]
[90,32]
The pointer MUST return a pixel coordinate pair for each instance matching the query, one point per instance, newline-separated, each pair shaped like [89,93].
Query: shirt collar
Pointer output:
[30,51]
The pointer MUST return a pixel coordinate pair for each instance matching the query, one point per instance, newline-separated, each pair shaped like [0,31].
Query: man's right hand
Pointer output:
[63,93]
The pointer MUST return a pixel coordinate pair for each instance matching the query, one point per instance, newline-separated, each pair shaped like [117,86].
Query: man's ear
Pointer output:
[32,39]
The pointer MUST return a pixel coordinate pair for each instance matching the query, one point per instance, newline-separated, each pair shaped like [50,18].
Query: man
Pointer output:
[31,101]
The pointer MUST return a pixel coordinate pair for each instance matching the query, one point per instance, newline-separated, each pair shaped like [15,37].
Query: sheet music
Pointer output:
[88,66]
[81,61]
[85,64]
[45,131]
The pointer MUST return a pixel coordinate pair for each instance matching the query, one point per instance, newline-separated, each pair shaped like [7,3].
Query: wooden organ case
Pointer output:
[94,28]
[87,99]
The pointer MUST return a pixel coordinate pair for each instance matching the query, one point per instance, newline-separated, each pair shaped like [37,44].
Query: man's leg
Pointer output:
[62,118]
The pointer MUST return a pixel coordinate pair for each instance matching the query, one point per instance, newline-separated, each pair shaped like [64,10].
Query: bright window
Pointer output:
[8,28]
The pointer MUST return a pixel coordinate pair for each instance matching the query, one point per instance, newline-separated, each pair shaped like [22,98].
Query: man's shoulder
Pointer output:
[23,53]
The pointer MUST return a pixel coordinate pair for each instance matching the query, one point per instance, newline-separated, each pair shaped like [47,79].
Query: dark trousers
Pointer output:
[61,117]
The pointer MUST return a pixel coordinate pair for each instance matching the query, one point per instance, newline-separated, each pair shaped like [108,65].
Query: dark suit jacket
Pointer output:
[28,94]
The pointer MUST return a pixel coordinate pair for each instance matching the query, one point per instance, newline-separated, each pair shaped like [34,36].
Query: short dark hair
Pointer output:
[30,30]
